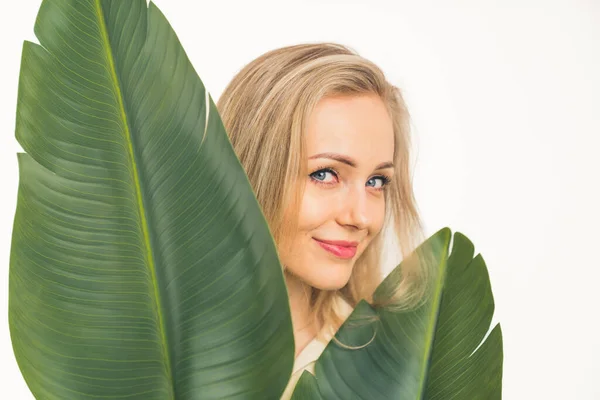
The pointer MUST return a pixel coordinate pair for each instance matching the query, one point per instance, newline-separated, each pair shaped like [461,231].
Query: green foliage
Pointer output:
[427,353]
[141,263]
[142,266]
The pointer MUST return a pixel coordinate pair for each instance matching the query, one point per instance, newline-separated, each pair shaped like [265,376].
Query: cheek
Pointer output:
[379,218]
[315,210]
[377,215]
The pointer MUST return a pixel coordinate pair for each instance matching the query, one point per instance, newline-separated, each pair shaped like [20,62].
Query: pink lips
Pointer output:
[339,248]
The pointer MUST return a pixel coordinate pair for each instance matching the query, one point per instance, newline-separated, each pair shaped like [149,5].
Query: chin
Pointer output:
[330,278]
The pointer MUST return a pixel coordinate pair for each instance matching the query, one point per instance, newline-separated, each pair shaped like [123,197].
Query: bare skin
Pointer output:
[350,148]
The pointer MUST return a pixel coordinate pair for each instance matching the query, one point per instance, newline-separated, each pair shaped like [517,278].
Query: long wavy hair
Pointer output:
[265,109]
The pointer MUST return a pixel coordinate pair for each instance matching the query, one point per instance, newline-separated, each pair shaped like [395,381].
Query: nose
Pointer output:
[354,209]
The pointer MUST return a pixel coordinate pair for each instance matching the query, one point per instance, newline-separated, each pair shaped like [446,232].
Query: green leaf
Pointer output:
[141,264]
[306,388]
[431,352]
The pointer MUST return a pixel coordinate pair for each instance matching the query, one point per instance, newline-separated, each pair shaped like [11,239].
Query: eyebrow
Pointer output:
[347,160]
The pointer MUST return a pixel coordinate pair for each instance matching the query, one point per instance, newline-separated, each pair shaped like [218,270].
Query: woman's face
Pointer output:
[350,148]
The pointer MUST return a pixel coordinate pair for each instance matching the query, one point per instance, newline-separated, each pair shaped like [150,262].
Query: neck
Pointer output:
[299,294]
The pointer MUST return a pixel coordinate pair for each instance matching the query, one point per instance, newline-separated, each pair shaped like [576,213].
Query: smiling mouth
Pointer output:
[341,249]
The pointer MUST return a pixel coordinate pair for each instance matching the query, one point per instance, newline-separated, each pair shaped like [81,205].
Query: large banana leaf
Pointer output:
[430,353]
[141,264]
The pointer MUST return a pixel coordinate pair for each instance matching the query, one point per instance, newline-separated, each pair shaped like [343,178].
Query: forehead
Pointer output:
[358,126]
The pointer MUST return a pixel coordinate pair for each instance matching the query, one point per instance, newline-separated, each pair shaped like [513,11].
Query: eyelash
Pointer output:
[384,178]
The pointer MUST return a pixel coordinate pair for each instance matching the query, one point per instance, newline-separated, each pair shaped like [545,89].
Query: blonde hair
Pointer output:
[265,110]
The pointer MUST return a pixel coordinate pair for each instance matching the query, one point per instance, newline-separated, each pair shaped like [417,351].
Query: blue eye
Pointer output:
[323,175]
[383,181]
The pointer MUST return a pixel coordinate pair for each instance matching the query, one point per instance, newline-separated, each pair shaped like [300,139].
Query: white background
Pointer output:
[505,107]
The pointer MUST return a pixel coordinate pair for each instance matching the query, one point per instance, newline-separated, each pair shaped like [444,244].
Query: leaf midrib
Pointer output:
[439,285]
[141,209]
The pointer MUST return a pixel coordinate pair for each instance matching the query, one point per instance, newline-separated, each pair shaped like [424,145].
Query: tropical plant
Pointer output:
[429,353]
[141,264]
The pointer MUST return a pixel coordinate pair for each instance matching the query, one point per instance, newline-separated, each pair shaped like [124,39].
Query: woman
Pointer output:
[324,140]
